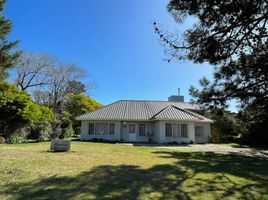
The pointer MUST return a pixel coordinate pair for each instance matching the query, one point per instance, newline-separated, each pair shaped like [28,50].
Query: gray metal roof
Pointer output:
[175,113]
[145,110]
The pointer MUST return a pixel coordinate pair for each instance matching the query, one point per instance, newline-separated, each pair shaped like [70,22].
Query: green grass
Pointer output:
[114,171]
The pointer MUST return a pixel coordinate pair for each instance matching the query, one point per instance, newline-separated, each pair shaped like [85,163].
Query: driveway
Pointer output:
[221,149]
[216,148]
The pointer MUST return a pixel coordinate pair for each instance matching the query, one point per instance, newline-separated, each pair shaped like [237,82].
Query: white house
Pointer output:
[146,121]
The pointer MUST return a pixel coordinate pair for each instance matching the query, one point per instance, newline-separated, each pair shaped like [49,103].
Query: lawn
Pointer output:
[116,171]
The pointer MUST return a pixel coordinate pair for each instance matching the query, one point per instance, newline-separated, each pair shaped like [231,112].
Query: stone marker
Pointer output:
[60,145]
[2,140]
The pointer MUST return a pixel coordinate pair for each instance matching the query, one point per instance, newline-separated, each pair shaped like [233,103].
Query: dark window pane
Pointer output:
[199,131]
[91,129]
[111,129]
[142,129]
[101,129]
[184,130]
[168,130]
[131,128]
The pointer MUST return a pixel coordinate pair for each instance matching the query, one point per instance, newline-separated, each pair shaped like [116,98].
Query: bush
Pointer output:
[41,131]
[16,139]
[56,129]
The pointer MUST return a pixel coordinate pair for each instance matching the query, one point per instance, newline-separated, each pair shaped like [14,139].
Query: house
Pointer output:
[147,121]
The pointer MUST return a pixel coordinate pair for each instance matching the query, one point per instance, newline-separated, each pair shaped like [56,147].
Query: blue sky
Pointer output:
[114,41]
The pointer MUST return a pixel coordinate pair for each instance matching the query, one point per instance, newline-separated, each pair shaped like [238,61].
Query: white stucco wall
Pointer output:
[161,133]
[157,127]
[85,136]
[206,133]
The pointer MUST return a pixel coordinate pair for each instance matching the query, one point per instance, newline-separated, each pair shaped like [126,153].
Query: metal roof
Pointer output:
[145,110]
[175,113]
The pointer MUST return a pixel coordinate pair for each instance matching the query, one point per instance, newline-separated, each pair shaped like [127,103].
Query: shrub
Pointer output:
[41,131]
[16,139]
[56,129]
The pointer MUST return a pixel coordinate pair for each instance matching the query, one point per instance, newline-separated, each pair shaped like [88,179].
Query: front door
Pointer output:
[199,137]
[132,132]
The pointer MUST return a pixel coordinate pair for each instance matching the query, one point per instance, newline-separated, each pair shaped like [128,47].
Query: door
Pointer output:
[132,136]
[199,135]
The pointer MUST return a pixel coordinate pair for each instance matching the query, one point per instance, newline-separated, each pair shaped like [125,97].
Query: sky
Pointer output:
[113,41]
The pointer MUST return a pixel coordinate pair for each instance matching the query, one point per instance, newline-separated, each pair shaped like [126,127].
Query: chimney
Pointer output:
[176,98]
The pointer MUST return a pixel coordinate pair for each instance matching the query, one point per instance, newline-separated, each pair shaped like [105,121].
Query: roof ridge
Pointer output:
[162,110]
[158,101]
[189,112]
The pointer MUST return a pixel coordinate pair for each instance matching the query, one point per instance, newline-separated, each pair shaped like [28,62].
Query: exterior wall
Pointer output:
[125,134]
[156,132]
[206,133]
[157,128]
[161,133]
[85,136]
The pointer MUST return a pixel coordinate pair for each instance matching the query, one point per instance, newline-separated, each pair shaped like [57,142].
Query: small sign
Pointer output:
[60,145]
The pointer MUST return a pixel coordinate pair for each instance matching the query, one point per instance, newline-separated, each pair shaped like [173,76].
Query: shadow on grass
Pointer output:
[178,180]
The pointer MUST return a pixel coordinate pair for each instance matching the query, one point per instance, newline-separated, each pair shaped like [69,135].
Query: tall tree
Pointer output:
[59,78]
[224,29]
[233,36]
[31,70]
[7,55]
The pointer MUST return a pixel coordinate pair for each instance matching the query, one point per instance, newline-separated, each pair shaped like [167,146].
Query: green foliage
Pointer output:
[47,113]
[75,87]
[78,104]
[16,139]
[222,31]
[56,129]
[66,125]
[17,110]
[7,55]
[232,35]
[41,131]
[224,127]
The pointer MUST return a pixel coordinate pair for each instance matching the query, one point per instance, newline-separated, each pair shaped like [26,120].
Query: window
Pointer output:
[168,130]
[142,129]
[131,128]
[199,131]
[184,130]
[91,128]
[111,129]
[176,130]
[101,129]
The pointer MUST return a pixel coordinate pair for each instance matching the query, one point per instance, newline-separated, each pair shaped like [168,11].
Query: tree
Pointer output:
[8,56]
[16,109]
[224,128]
[223,31]
[48,80]
[78,104]
[31,70]
[233,36]
[245,80]
[59,79]
[75,87]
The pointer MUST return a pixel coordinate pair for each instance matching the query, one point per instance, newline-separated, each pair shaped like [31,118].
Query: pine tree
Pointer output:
[8,56]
